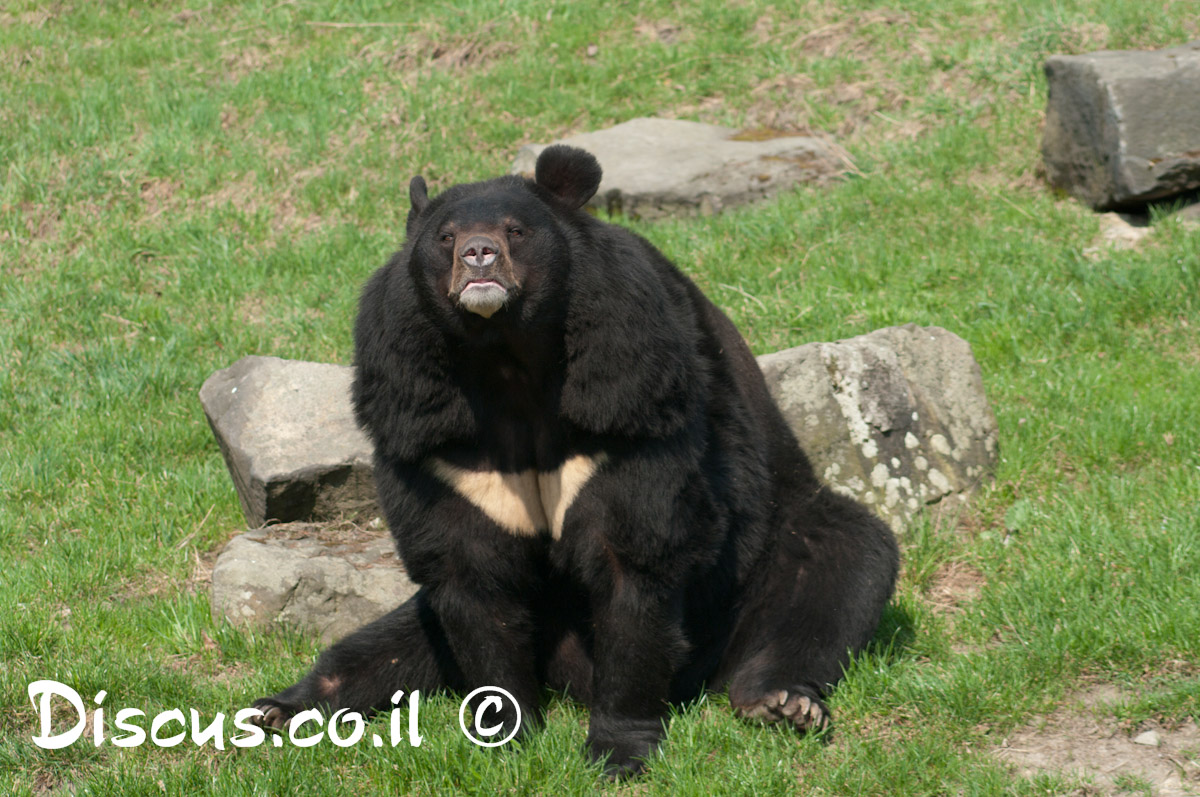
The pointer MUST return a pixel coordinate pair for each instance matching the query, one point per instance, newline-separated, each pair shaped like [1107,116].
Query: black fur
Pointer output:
[703,550]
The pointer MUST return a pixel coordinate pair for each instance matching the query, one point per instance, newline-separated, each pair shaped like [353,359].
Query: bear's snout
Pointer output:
[479,251]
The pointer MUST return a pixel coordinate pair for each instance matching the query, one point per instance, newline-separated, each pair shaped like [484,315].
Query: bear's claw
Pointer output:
[798,706]
[274,715]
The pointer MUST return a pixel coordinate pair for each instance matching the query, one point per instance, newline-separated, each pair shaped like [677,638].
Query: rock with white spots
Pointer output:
[288,435]
[323,578]
[672,167]
[896,418]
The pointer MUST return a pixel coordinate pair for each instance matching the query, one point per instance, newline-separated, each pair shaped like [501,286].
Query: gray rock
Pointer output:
[290,441]
[1148,739]
[670,167]
[1123,127]
[327,578]
[896,418]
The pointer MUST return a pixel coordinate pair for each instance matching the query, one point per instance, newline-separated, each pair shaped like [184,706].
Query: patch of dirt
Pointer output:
[1081,740]
[661,31]
[1118,231]
[954,584]
[241,122]
[786,102]
[16,58]
[251,310]
[31,19]
[200,579]
[241,194]
[1086,36]
[872,96]
[245,195]
[186,17]
[434,48]
[157,193]
[250,60]
[845,35]
[1180,341]
[41,221]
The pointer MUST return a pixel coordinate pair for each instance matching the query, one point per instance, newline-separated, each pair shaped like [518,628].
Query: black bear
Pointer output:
[582,468]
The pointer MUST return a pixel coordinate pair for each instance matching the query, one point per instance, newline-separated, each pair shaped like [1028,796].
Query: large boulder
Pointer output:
[896,418]
[289,438]
[1123,127]
[324,578]
[671,167]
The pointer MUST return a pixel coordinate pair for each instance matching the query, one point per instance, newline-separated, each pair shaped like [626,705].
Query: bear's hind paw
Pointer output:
[274,714]
[799,706]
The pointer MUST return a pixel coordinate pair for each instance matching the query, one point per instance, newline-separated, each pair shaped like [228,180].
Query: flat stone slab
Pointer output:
[670,167]
[1123,127]
[325,578]
[896,418]
[289,438]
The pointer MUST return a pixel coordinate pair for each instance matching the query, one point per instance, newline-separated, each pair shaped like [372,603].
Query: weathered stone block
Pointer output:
[327,578]
[1123,127]
[671,167]
[288,435]
[896,418]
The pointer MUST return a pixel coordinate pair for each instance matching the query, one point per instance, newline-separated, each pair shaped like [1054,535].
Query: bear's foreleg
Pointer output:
[638,644]
[490,635]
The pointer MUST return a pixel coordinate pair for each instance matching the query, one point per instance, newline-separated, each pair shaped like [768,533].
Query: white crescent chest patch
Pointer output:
[524,503]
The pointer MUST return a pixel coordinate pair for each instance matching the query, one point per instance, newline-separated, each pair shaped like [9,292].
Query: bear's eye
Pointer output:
[446,238]
[515,232]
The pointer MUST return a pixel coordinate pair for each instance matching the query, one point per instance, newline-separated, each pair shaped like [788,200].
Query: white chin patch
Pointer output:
[482,298]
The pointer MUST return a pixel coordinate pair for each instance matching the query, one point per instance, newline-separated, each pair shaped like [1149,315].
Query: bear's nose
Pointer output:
[479,251]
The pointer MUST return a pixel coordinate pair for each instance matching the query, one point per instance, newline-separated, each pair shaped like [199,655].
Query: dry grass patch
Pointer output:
[41,221]
[157,194]
[954,584]
[431,47]
[875,99]
[662,32]
[250,60]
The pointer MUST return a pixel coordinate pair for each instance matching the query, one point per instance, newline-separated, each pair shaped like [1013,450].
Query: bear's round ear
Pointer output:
[418,195]
[571,174]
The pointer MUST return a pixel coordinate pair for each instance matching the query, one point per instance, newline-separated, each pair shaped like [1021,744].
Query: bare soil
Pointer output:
[1082,741]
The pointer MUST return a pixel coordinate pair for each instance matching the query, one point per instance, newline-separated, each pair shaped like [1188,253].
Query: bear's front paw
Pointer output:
[623,746]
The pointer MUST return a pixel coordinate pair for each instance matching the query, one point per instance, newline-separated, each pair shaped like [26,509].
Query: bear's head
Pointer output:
[502,245]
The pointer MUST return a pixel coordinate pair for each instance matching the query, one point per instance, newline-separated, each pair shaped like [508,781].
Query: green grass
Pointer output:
[182,184]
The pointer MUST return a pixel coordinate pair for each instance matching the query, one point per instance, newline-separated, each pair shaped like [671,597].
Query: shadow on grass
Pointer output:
[894,635]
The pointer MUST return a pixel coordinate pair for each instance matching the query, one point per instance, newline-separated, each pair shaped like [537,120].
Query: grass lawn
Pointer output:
[183,183]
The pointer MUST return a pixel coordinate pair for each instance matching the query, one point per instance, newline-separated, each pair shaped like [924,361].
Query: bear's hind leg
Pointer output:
[818,602]
[403,650]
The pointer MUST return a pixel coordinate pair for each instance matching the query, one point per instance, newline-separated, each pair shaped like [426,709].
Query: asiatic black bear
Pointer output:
[583,470]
